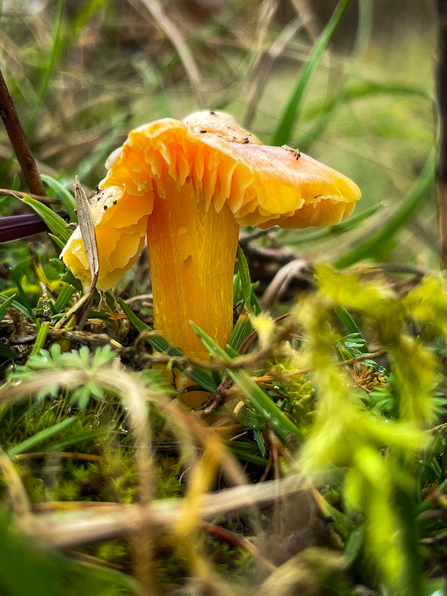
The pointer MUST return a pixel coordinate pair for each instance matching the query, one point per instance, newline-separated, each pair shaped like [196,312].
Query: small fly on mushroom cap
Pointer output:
[188,186]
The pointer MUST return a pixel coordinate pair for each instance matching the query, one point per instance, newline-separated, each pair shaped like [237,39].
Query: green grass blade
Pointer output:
[41,437]
[40,339]
[53,56]
[365,89]
[24,298]
[18,306]
[56,224]
[64,296]
[259,399]
[201,377]
[86,12]
[345,226]
[63,194]
[244,455]
[57,241]
[415,199]
[4,307]
[241,331]
[244,273]
[88,435]
[350,325]
[292,111]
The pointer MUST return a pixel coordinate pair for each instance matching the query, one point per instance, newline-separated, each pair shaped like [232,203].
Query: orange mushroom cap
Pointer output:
[262,186]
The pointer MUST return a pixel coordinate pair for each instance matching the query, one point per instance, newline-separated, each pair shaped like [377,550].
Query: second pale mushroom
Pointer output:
[188,186]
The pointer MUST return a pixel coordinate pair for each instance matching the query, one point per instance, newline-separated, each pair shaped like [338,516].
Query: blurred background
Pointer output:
[84,72]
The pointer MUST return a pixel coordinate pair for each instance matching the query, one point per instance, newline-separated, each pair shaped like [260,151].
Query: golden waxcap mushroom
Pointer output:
[188,186]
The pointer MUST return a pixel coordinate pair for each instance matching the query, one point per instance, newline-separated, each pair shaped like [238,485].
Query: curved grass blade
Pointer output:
[41,437]
[56,224]
[415,199]
[62,300]
[345,226]
[4,307]
[241,330]
[53,56]
[23,297]
[351,327]
[244,273]
[292,111]
[18,306]
[41,338]
[201,377]
[365,89]
[259,399]
[63,194]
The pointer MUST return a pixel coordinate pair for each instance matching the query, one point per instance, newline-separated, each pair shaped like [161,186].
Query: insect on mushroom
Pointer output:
[188,191]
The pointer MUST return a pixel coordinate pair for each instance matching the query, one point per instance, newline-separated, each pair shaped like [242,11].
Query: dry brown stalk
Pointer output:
[304,371]
[16,193]
[73,528]
[61,455]
[18,140]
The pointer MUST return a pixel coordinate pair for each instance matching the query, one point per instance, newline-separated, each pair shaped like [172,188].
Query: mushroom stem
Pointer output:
[192,251]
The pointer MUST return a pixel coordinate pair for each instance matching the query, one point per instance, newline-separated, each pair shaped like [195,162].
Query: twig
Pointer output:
[441,537]
[174,34]
[265,66]
[234,539]
[15,193]
[219,397]
[436,428]
[139,298]
[18,140]
[93,524]
[441,169]
[307,14]
[61,455]
[304,371]
[244,240]
[267,467]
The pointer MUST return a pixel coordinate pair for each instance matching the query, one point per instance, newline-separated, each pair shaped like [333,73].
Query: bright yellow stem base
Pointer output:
[191,255]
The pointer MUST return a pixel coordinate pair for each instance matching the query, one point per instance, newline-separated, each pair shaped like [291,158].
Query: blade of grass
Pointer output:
[40,339]
[4,307]
[343,227]
[173,33]
[324,112]
[365,89]
[415,199]
[56,224]
[88,435]
[41,437]
[57,241]
[350,325]
[24,298]
[244,455]
[291,112]
[64,296]
[53,56]
[18,306]
[63,194]
[241,330]
[262,403]
[244,273]
[201,377]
